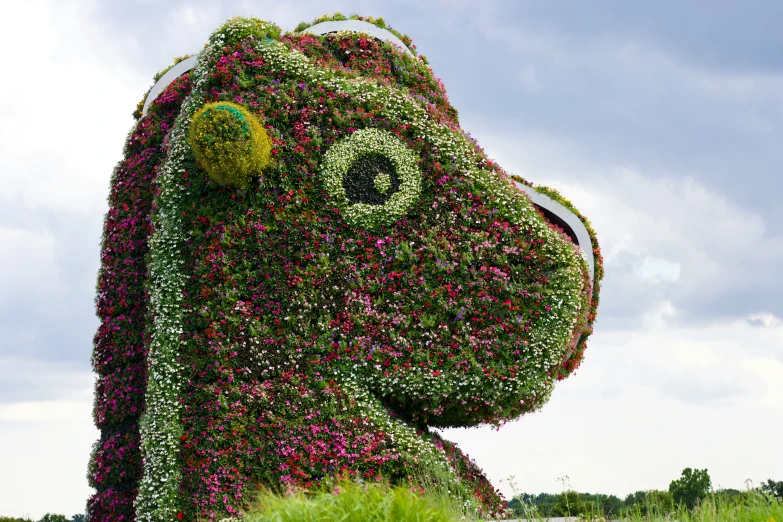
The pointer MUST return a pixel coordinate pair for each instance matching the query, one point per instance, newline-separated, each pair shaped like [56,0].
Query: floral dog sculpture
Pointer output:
[306,266]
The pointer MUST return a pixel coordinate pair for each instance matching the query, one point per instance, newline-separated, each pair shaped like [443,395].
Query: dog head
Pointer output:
[356,219]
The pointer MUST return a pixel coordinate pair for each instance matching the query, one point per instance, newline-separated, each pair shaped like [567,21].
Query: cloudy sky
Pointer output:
[662,121]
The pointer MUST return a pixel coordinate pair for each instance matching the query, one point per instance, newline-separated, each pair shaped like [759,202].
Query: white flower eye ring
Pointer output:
[372,176]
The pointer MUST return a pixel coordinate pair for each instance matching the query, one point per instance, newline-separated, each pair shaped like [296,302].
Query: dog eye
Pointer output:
[372,176]
[371,179]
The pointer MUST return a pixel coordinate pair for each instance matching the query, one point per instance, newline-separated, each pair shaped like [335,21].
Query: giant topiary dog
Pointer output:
[306,265]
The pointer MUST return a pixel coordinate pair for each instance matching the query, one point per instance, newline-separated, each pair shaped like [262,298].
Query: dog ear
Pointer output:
[230,143]
[358,26]
[167,79]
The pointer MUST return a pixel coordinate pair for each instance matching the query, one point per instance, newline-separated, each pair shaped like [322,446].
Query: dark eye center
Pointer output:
[372,179]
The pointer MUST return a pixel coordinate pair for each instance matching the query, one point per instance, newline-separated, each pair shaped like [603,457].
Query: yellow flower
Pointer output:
[229,143]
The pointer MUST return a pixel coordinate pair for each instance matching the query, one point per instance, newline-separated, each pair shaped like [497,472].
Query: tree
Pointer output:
[633,499]
[51,517]
[78,518]
[773,488]
[543,503]
[659,502]
[647,503]
[691,487]
[568,504]
[610,505]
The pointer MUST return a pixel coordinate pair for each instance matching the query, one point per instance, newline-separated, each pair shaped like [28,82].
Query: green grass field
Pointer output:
[352,502]
[375,503]
[753,507]
[356,503]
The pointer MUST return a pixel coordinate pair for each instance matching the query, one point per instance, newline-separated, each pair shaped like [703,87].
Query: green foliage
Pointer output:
[729,505]
[749,506]
[691,487]
[773,488]
[349,502]
[568,503]
[238,29]
[577,504]
[648,503]
[51,517]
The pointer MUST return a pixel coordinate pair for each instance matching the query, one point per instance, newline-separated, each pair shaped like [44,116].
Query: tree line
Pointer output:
[689,490]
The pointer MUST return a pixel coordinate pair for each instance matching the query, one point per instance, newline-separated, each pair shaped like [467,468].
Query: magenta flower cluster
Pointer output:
[119,356]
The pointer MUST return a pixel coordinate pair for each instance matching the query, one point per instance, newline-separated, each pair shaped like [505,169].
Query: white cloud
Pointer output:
[287,16]
[23,379]
[658,270]
[66,103]
[659,315]
[48,412]
[678,220]
[47,446]
[27,264]
[188,14]
[191,20]
[45,441]
[664,236]
[764,319]
[66,111]
[617,426]
[656,397]
[770,372]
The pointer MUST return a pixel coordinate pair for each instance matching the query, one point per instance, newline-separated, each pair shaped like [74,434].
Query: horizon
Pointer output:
[662,124]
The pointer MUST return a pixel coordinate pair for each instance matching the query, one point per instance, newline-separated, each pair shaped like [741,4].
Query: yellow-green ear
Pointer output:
[229,143]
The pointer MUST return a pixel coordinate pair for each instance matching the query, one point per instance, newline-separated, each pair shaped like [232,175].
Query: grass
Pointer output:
[352,502]
[754,507]
[370,503]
